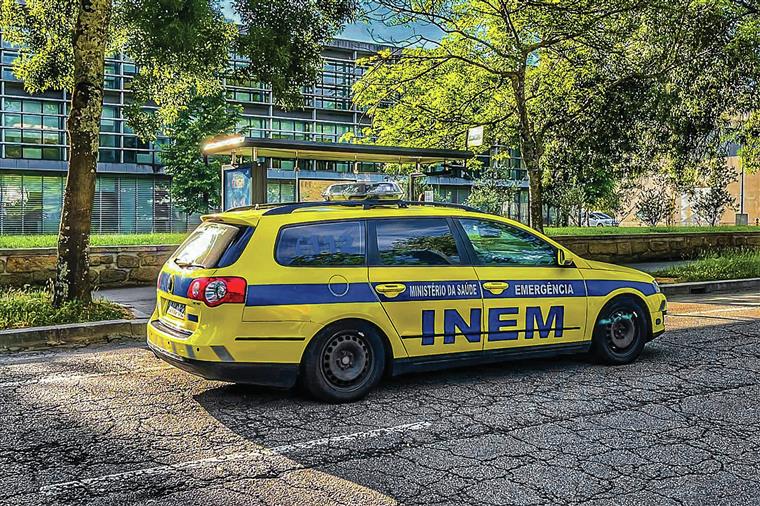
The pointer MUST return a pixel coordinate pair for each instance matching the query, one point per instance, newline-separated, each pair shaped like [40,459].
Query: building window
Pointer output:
[109,141]
[252,127]
[8,59]
[13,151]
[281,191]
[280,164]
[122,204]
[33,123]
[111,80]
[290,129]
[108,156]
[331,132]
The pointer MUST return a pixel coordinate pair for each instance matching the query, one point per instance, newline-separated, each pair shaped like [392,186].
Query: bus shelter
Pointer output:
[244,180]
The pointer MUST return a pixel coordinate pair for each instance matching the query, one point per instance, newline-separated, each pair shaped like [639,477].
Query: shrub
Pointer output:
[717,265]
[32,307]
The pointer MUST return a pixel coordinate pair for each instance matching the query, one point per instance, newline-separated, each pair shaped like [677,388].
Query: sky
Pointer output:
[374,31]
[369,31]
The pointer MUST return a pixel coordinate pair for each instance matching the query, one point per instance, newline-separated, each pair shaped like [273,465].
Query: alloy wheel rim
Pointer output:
[621,329]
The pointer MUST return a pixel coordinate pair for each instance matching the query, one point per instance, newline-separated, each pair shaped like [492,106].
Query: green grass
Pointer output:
[578,231]
[716,266]
[50,241]
[32,307]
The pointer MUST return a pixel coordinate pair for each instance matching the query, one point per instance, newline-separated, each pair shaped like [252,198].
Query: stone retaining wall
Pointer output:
[655,247]
[113,266]
[110,266]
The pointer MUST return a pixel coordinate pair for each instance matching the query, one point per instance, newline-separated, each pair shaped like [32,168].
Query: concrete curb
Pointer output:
[72,333]
[698,287]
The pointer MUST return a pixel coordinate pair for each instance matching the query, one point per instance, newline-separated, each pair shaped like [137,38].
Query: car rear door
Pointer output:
[210,245]
[528,299]
[432,297]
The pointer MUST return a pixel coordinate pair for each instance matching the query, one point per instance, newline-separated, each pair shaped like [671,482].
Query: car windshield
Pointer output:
[206,245]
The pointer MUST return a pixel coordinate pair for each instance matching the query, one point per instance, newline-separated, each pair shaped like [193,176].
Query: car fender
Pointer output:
[377,318]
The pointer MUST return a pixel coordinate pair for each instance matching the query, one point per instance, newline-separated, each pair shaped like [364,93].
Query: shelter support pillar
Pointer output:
[258,183]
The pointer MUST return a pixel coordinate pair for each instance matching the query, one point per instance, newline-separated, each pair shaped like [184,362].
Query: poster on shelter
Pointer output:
[236,188]
[311,190]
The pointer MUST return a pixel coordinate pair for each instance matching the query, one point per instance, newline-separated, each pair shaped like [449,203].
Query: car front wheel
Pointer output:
[344,362]
[620,332]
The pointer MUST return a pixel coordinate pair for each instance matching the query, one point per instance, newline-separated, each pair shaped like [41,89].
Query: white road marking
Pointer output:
[65,378]
[210,461]
[708,311]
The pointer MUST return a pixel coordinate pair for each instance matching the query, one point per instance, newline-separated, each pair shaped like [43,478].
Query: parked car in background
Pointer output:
[356,190]
[599,219]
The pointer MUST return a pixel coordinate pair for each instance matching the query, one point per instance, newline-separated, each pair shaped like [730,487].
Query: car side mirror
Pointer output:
[564,259]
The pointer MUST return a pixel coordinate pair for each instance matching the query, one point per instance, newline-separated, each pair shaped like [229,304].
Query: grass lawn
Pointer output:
[716,266]
[51,241]
[32,307]
[647,230]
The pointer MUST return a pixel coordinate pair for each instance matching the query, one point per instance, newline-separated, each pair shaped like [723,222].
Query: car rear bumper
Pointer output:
[263,374]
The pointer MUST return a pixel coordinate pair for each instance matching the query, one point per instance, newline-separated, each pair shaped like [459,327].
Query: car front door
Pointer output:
[528,299]
[431,296]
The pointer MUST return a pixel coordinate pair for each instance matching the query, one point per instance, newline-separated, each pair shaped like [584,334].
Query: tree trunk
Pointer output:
[83,124]
[536,199]
[531,154]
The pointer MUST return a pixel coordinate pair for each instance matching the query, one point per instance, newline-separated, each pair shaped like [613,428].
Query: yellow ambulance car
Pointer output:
[338,294]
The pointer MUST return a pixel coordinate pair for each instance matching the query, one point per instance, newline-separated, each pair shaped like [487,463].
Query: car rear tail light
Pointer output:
[217,291]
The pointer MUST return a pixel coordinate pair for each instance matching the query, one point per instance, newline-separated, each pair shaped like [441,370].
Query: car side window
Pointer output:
[322,244]
[500,244]
[416,241]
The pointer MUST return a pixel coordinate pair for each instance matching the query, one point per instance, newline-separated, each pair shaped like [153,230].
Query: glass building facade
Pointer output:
[132,192]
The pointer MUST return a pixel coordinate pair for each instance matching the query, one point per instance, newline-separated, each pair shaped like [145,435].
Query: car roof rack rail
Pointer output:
[444,204]
[289,207]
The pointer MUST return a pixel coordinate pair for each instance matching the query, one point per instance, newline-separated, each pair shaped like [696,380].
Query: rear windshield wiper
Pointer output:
[189,264]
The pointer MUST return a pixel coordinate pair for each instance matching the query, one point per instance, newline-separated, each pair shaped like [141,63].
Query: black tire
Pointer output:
[620,332]
[343,362]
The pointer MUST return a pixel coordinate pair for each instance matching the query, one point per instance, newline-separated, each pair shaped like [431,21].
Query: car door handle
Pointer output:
[390,290]
[496,287]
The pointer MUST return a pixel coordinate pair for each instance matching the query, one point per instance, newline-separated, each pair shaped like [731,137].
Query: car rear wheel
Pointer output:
[343,362]
[620,332]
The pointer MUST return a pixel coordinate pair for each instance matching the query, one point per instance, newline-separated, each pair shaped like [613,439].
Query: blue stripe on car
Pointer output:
[532,288]
[181,284]
[601,287]
[320,293]
[274,295]
[163,281]
[434,290]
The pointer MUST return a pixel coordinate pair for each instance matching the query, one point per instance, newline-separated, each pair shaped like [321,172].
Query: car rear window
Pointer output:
[206,245]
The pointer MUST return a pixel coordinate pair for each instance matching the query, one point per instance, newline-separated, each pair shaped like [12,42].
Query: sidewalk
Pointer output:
[142,299]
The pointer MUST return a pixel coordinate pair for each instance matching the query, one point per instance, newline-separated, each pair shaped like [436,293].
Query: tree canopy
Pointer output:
[181,48]
[196,184]
[586,89]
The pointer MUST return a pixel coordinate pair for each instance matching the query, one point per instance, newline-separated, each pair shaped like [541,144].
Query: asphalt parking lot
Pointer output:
[110,424]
